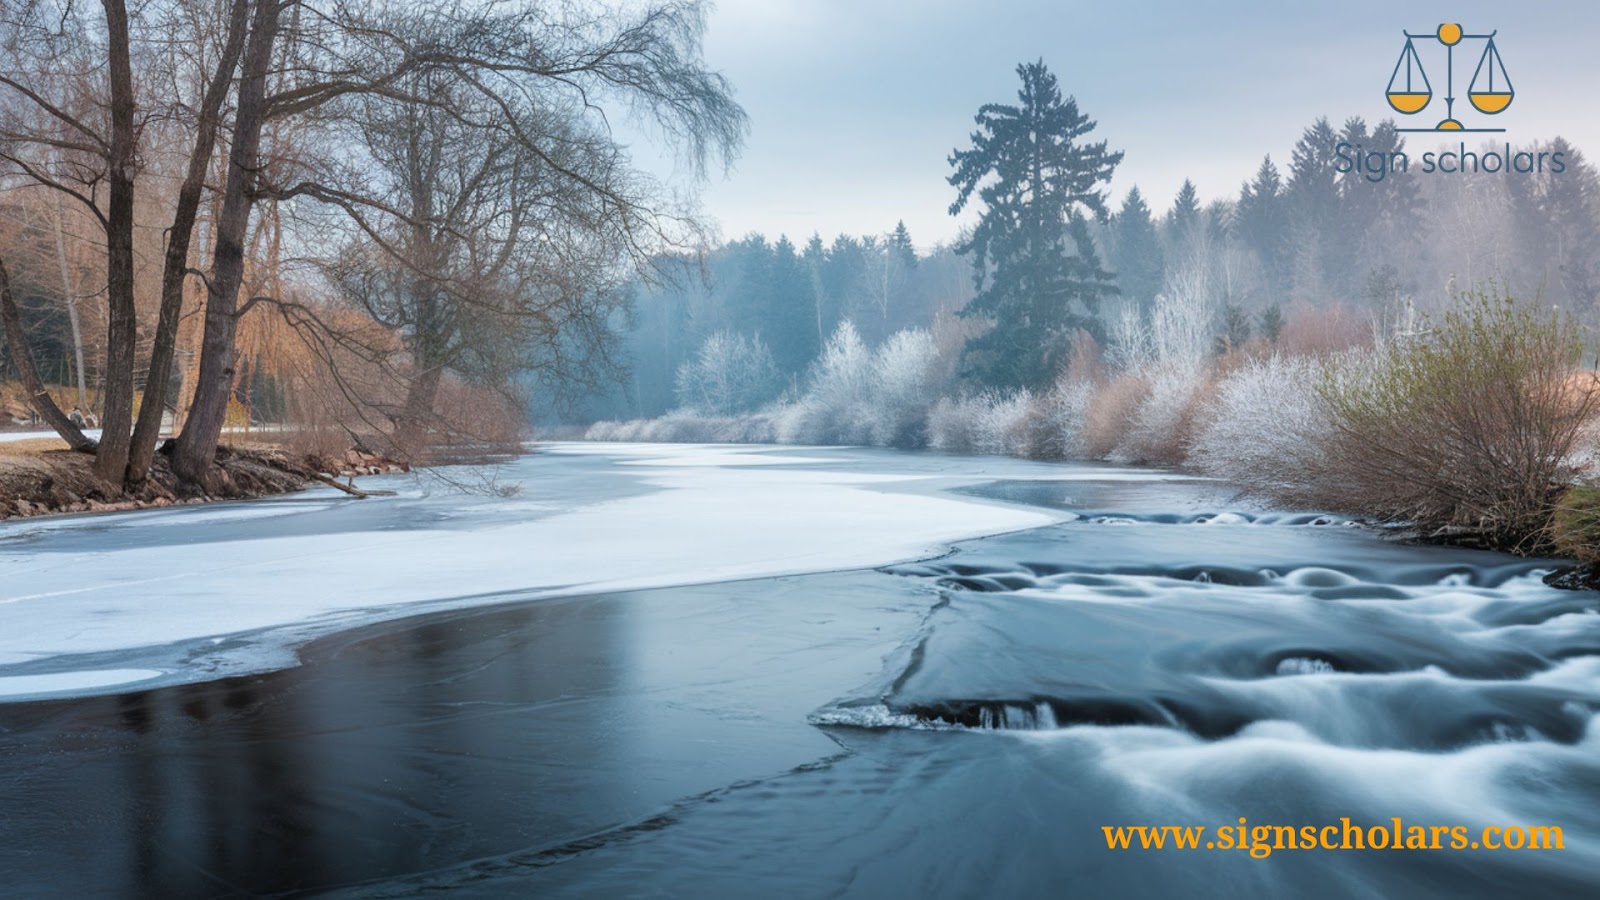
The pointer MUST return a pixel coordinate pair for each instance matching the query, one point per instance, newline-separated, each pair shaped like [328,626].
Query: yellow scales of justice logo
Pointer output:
[1490,90]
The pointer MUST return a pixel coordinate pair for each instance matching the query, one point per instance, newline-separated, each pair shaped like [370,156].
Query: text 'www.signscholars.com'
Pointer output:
[1261,841]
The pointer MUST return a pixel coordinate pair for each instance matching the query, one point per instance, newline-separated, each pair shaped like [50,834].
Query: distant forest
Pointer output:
[1296,237]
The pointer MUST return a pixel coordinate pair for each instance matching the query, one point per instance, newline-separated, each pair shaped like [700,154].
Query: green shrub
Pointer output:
[1469,429]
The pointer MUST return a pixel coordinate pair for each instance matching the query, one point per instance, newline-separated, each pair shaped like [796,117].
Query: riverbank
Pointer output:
[38,477]
[1481,429]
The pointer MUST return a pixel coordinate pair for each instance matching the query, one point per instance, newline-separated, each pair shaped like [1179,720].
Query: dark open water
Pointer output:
[962,727]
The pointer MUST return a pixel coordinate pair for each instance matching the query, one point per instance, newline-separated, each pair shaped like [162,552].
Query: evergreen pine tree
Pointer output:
[1270,323]
[1138,258]
[1313,198]
[900,245]
[1036,268]
[1260,220]
[789,326]
[1558,220]
[824,304]
[1185,214]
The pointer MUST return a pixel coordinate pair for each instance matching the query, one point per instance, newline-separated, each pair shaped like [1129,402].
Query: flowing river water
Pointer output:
[961,726]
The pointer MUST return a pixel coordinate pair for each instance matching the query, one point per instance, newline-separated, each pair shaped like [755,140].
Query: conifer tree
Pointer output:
[1138,258]
[1185,213]
[1037,271]
[1261,218]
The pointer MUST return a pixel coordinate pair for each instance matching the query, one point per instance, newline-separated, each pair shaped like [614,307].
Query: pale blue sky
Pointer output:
[855,104]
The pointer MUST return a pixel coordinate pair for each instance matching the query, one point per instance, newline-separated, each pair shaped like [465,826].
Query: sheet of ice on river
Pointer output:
[273,574]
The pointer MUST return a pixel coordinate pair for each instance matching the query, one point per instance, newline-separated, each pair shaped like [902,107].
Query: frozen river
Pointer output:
[708,672]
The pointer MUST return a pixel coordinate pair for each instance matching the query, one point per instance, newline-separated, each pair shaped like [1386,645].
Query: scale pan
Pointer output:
[1490,102]
[1412,102]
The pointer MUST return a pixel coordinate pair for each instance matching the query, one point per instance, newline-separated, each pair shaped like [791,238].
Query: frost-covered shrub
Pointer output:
[1158,431]
[951,426]
[1130,345]
[1266,428]
[1178,332]
[906,382]
[1066,408]
[855,395]
[833,409]
[998,417]
[989,423]
[1181,332]
[1050,425]
[729,374]
[1144,415]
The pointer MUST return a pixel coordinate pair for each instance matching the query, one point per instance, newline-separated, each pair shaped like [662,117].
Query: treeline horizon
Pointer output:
[1298,237]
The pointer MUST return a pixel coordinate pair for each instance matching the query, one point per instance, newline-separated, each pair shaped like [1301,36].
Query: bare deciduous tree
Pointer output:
[463,150]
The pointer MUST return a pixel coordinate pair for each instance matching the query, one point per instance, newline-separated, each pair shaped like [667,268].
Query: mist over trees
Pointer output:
[1255,337]
[792,301]
[1300,256]
[390,225]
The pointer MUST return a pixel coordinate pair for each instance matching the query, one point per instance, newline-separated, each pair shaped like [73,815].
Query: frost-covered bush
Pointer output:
[729,374]
[1158,431]
[1177,333]
[855,395]
[951,425]
[906,382]
[975,424]
[1266,428]
[1169,354]
[834,407]
[1065,409]
[1003,422]
[1047,425]
[1023,424]
[1181,332]
[1129,346]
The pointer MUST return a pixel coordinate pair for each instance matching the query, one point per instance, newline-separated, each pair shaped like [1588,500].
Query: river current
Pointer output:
[962,726]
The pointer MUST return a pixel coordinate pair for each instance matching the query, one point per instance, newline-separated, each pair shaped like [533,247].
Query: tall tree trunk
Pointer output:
[412,436]
[122,328]
[71,301]
[175,265]
[197,445]
[22,357]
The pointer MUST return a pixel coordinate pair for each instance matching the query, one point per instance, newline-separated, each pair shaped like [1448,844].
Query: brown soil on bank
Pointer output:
[38,478]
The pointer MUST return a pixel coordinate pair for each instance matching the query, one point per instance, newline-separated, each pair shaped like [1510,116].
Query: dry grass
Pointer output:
[31,446]
[1110,412]
[1323,331]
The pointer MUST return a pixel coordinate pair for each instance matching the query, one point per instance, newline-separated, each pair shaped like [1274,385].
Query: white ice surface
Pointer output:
[702,514]
[7,437]
[72,682]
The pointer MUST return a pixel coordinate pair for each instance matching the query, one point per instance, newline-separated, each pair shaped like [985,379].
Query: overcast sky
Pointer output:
[855,104]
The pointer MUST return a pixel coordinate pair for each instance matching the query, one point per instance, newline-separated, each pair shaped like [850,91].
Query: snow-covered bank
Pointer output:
[195,594]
